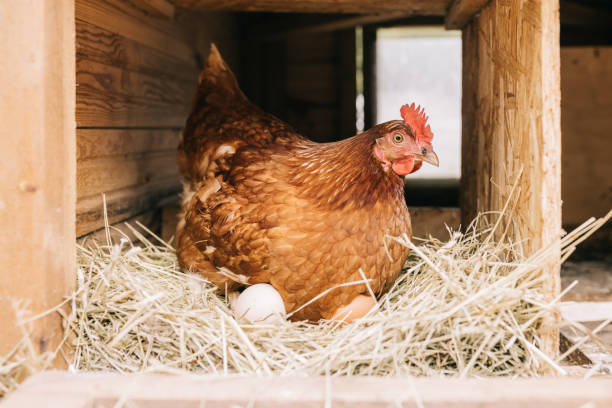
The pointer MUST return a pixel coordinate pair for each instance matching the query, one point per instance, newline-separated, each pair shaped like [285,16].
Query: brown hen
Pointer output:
[267,205]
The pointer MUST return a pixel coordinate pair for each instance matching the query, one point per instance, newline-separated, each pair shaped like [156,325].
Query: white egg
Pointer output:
[259,304]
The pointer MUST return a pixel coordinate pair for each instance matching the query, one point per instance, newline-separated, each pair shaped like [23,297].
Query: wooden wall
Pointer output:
[321,85]
[136,71]
[586,124]
[307,79]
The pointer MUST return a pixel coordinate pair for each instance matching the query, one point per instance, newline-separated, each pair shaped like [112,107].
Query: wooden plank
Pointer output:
[105,174]
[461,12]
[123,204]
[67,390]
[511,107]
[124,18]
[37,149]
[433,221]
[159,7]
[109,96]
[586,90]
[336,25]
[120,230]
[412,7]
[108,48]
[95,143]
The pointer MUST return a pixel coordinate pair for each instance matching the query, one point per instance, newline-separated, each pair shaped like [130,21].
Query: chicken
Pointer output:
[263,204]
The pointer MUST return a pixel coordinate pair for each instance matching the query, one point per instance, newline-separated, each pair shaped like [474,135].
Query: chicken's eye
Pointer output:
[398,138]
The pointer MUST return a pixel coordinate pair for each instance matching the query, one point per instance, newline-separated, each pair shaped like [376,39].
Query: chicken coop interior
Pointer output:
[102,88]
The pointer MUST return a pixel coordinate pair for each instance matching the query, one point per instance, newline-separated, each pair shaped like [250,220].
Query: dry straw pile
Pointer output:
[471,306]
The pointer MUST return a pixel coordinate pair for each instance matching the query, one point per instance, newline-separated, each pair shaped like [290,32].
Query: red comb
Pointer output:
[414,116]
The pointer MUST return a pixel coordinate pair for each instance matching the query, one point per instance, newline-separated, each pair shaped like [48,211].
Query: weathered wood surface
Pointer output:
[123,203]
[586,123]
[434,221]
[510,109]
[106,174]
[61,389]
[461,12]
[110,48]
[96,143]
[412,7]
[151,219]
[136,70]
[109,96]
[37,163]
[127,20]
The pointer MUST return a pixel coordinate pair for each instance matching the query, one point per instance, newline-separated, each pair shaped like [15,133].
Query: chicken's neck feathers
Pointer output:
[345,173]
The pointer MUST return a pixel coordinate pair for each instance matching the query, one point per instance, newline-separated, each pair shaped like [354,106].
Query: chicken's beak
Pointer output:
[430,157]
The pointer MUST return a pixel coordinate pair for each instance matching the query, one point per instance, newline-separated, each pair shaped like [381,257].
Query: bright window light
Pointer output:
[423,65]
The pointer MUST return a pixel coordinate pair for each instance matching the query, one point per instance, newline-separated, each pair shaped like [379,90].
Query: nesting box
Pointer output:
[95,92]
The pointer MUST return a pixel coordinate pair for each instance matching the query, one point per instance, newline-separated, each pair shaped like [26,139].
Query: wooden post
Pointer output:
[511,121]
[37,164]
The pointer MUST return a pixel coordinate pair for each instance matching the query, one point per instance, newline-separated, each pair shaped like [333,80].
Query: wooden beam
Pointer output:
[511,126]
[461,12]
[413,7]
[162,8]
[69,390]
[335,25]
[37,163]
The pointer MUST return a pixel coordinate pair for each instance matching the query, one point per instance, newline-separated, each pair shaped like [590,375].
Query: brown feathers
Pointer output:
[267,204]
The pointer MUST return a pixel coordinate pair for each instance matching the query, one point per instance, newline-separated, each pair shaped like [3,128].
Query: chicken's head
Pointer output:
[405,145]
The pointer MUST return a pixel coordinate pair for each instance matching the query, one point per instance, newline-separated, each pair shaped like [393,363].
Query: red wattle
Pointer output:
[403,166]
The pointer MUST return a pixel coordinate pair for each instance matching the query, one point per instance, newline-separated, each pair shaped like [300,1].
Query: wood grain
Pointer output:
[109,96]
[122,204]
[109,48]
[127,20]
[106,174]
[120,230]
[411,7]
[158,7]
[37,151]
[95,143]
[69,390]
[586,122]
[461,12]
[511,108]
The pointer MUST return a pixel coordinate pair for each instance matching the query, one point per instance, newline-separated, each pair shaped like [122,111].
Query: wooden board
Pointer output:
[106,174]
[135,168]
[510,110]
[122,204]
[461,12]
[109,96]
[96,143]
[37,163]
[433,221]
[586,123]
[121,230]
[61,389]
[412,7]
[127,20]
[109,48]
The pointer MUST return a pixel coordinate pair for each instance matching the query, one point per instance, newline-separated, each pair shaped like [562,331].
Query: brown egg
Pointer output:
[358,308]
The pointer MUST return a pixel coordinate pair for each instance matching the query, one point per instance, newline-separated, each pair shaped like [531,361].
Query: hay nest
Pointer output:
[472,306]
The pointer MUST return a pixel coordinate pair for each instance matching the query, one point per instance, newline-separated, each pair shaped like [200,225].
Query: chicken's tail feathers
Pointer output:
[218,80]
